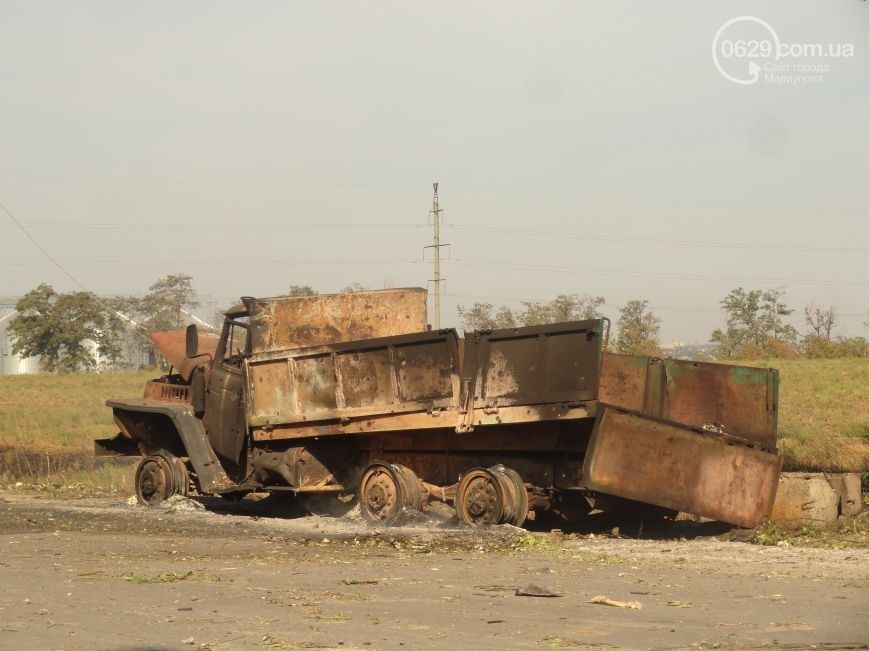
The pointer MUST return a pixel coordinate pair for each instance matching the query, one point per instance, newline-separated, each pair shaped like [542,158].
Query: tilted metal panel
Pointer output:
[302,321]
[738,400]
[374,377]
[555,363]
[666,464]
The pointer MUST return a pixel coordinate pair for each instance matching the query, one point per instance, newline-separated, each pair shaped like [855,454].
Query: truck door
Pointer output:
[224,412]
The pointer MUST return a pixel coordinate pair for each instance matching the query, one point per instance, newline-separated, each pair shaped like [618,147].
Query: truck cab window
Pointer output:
[235,343]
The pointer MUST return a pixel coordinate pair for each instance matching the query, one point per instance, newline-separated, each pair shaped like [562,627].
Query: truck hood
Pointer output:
[173,346]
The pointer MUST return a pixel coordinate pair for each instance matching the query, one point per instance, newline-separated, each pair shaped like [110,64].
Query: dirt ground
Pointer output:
[101,574]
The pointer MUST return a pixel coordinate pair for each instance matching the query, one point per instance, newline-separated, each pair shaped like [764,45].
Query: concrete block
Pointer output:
[805,497]
[847,487]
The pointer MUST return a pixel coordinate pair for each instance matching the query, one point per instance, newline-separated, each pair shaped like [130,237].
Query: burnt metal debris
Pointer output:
[351,393]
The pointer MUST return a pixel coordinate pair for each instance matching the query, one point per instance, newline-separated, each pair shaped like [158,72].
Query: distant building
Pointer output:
[134,354]
[12,363]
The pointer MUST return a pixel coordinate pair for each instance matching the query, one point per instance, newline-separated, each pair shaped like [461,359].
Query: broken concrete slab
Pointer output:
[847,486]
[816,497]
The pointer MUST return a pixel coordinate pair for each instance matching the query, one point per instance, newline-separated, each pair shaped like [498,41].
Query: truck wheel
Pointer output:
[387,488]
[520,497]
[495,495]
[159,476]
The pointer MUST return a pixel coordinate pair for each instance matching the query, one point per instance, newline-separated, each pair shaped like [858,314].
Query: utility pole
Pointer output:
[437,280]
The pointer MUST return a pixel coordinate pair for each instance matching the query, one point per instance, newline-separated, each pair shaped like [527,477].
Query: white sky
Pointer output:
[121,122]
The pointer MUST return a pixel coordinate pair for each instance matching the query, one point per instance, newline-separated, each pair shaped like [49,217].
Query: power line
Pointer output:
[241,226]
[650,240]
[214,263]
[384,186]
[598,271]
[64,271]
[226,182]
[663,204]
[485,264]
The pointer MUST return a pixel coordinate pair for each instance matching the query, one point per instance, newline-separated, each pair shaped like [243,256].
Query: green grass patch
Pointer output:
[169,577]
[61,413]
[104,480]
[823,413]
[844,533]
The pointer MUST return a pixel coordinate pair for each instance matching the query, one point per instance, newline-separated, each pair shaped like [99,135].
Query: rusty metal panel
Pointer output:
[302,321]
[425,370]
[173,346]
[366,377]
[354,380]
[272,384]
[316,382]
[738,400]
[535,365]
[741,400]
[666,464]
[623,380]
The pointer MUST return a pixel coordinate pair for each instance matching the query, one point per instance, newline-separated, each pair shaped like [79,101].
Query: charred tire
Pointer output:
[495,495]
[386,489]
[520,497]
[160,476]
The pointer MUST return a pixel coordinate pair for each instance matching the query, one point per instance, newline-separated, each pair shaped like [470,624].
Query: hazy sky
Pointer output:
[255,145]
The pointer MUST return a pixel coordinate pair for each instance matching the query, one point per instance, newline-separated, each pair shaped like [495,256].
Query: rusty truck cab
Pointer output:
[223,383]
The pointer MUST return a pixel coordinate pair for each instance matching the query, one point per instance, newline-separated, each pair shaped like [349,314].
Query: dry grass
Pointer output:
[105,479]
[820,453]
[823,420]
[824,413]
[62,413]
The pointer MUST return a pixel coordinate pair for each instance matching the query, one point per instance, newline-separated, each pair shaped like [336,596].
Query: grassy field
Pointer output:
[824,413]
[62,413]
[823,423]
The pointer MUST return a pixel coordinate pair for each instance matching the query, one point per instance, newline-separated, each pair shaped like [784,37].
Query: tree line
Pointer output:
[76,330]
[755,325]
[73,331]
[637,325]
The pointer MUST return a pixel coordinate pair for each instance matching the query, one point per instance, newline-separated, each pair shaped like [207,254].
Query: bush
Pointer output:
[815,347]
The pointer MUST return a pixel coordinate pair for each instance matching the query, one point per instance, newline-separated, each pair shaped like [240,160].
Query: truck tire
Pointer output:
[159,476]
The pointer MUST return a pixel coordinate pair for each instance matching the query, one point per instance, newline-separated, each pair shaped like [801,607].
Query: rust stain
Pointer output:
[300,321]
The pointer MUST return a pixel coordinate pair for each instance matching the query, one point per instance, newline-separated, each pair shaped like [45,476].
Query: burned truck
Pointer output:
[353,394]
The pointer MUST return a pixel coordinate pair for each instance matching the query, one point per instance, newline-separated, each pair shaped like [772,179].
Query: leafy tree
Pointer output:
[755,320]
[821,321]
[58,328]
[481,316]
[564,307]
[354,287]
[165,302]
[302,290]
[638,329]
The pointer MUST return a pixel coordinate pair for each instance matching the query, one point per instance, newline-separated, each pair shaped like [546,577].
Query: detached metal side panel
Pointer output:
[670,465]
[360,379]
[301,321]
[741,400]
